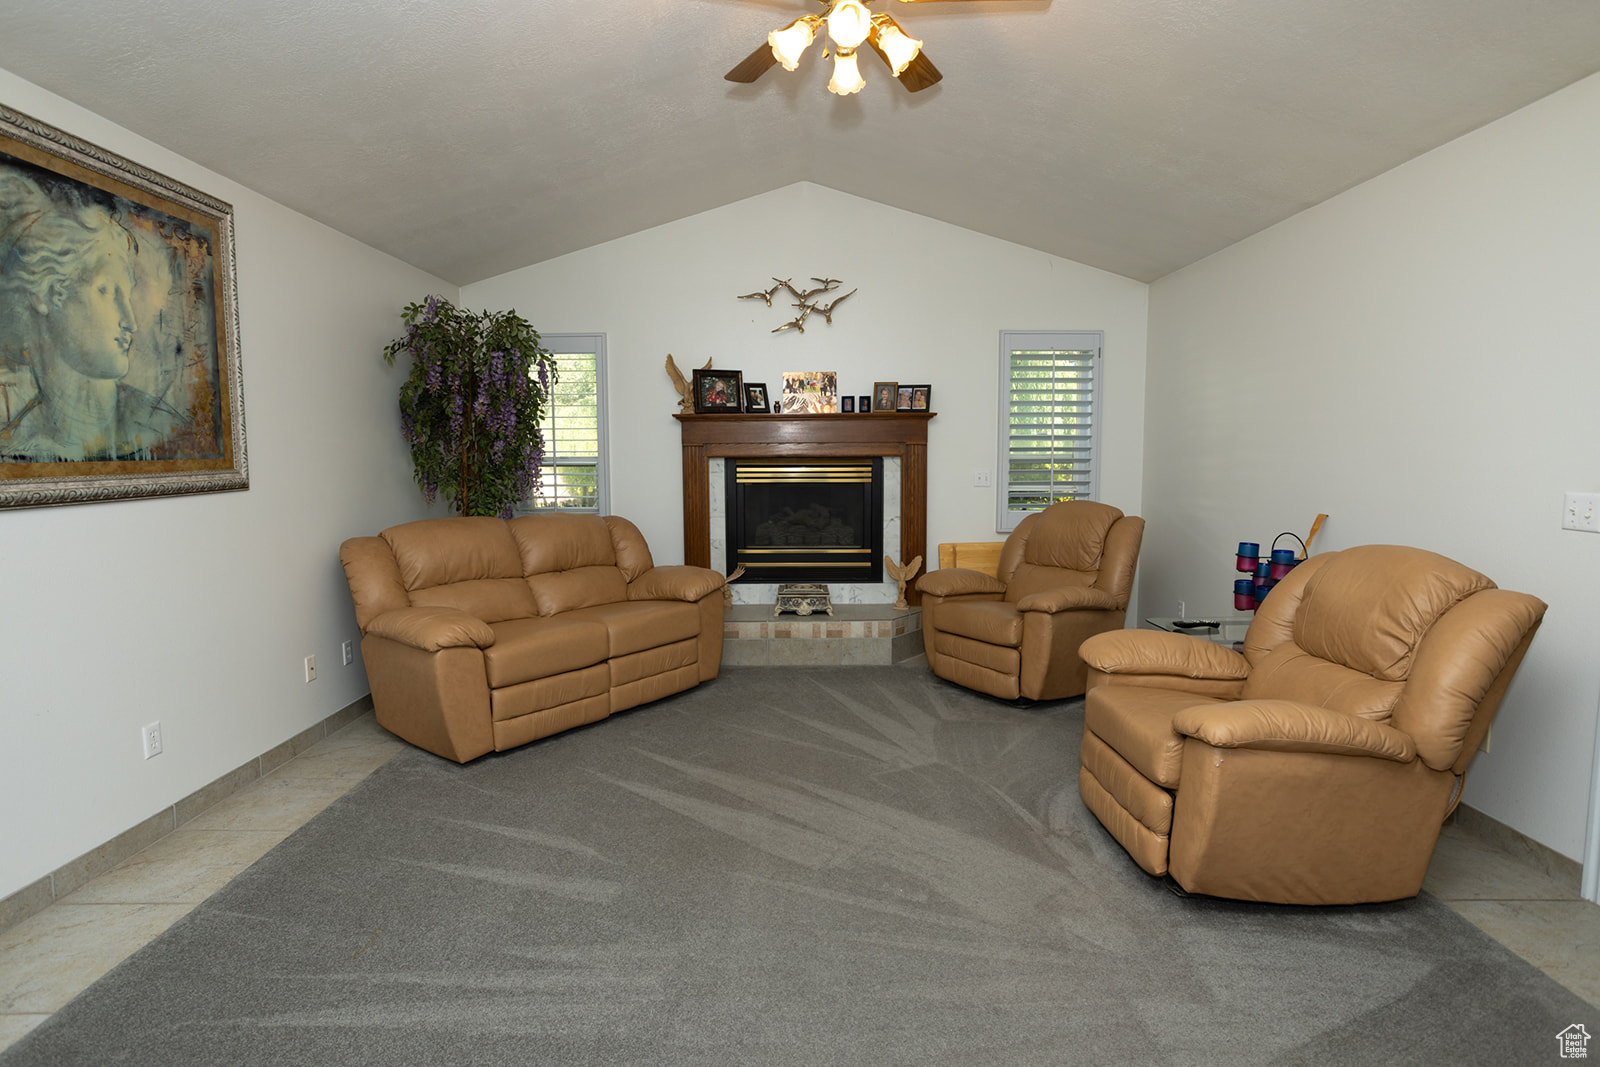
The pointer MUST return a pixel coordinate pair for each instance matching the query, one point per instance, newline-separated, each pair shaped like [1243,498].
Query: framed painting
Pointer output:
[718,391]
[119,351]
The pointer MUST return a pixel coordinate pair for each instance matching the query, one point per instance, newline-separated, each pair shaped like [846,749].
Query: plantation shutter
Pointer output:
[573,477]
[1049,420]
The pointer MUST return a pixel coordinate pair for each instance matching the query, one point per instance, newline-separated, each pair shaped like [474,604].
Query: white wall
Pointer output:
[932,301]
[1419,358]
[198,611]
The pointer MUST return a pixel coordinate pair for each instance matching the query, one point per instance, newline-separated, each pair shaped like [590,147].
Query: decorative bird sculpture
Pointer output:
[727,585]
[901,576]
[685,389]
[764,294]
[826,310]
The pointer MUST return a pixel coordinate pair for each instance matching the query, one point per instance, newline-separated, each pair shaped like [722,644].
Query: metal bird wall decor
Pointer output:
[805,301]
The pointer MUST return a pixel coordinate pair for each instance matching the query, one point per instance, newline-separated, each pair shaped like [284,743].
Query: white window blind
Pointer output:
[1049,420]
[574,426]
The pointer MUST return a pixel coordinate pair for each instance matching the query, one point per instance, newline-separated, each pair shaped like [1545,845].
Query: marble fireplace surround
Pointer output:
[899,436]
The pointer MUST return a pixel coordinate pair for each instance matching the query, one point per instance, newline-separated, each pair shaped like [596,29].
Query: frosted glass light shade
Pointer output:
[847,77]
[848,23]
[897,46]
[790,43]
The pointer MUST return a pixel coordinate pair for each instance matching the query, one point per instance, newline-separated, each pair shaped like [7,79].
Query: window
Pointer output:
[1049,421]
[573,477]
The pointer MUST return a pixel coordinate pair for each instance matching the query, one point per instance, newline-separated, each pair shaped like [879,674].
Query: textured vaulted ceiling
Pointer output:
[473,137]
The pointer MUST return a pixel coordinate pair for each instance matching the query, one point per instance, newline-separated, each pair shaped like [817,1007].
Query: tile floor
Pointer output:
[47,959]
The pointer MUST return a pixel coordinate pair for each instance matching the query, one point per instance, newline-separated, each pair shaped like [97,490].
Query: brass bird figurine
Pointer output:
[826,310]
[764,294]
[901,575]
[685,389]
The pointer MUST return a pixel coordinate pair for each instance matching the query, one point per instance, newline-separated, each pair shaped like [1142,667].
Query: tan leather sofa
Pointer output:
[1065,574]
[482,634]
[1318,766]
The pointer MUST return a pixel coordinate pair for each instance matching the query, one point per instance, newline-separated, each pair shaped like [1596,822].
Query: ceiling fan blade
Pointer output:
[753,65]
[920,72]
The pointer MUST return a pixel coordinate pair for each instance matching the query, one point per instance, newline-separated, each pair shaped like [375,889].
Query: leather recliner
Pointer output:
[1065,574]
[1318,766]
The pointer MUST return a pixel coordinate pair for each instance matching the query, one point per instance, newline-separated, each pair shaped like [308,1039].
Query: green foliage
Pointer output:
[472,404]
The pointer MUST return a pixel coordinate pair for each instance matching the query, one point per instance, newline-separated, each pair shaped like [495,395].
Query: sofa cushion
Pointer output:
[1288,672]
[470,564]
[558,592]
[531,648]
[1369,607]
[635,625]
[1137,723]
[994,622]
[557,542]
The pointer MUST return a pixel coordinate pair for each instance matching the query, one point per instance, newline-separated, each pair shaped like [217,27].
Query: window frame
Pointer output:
[1013,342]
[559,344]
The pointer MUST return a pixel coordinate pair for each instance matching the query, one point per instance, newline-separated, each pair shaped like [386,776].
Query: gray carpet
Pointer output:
[813,866]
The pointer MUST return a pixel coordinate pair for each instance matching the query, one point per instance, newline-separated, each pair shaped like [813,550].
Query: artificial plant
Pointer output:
[472,404]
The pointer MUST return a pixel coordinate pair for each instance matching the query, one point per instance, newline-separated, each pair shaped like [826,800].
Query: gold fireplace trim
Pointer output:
[815,564]
[792,549]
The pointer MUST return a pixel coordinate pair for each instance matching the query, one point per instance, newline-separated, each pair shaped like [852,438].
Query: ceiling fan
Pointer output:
[849,24]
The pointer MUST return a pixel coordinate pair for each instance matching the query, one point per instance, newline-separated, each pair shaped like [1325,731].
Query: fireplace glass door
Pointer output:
[811,520]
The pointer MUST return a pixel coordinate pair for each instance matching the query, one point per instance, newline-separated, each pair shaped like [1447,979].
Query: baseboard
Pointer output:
[1565,870]
[34,898]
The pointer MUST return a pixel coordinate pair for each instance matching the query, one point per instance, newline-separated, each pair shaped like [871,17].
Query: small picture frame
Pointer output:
[883,397]
[863,403]
[755,399]
[922,398]
[718,391]
[902,400]
[847,405]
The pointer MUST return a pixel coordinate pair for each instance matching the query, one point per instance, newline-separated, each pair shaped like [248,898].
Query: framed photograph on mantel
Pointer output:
[810,392]
[755,399]
[119,349]
[883,397]
[718,391]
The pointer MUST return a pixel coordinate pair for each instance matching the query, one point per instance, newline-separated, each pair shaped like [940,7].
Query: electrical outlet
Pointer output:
[151,734]
[1182,613]
[349,651]
[980,479]
[311,668]
[1581,511]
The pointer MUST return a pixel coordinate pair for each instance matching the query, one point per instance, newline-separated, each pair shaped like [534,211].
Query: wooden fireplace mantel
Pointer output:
[902,434]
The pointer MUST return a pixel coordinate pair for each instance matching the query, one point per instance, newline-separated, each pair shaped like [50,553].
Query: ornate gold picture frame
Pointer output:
[119,353]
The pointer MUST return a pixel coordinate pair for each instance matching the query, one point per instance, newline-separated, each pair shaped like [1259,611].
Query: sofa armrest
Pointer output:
[1068,598]
[1136,652]
[1290,726]
[432,628]
[678,582]
[958,581]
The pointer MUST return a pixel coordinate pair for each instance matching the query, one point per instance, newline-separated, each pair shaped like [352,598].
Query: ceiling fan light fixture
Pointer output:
[790,43]
[847,77]
[848,23]
[896,45]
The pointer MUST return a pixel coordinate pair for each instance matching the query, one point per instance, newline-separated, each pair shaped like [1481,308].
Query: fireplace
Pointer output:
[900,436]
[807,520]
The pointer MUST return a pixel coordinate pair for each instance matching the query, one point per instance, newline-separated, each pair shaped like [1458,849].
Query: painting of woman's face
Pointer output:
[92,329]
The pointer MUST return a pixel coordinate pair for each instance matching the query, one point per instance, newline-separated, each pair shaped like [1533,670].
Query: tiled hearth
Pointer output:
[854,635]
